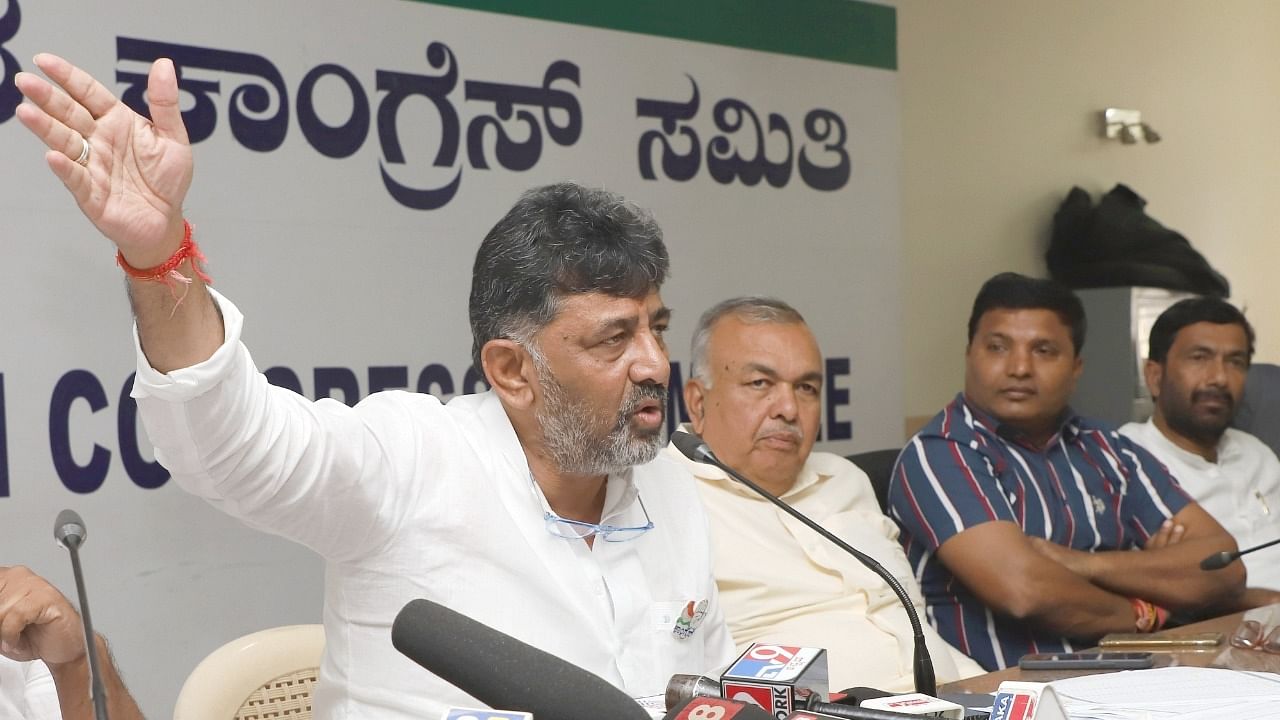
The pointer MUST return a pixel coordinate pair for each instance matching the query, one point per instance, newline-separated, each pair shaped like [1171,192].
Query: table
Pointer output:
[1226,624]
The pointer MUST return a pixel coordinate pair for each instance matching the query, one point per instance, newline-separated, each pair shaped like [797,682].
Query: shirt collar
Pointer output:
[808,476]
[1226,448]
[1069,427]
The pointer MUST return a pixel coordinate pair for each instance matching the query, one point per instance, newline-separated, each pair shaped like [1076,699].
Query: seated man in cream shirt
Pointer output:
[755,397]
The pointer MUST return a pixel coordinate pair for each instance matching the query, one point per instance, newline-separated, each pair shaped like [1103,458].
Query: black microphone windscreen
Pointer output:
[503,672]
[1218,560]
[689,445]
[68,529]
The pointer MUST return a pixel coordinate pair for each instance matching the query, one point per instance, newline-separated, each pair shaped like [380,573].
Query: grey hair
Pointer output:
[559,240]
[748,309]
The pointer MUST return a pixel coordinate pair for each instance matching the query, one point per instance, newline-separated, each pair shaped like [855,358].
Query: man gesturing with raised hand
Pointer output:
[130,182]
[538,506]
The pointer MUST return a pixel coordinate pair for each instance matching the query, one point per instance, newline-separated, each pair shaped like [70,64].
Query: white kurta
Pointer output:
[27,691]
[1241,491]
[406,497]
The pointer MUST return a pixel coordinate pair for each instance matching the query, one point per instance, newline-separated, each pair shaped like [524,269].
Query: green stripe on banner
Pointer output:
[845,31]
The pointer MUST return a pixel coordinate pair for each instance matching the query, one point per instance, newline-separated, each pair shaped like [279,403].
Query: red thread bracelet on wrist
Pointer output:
[167,272]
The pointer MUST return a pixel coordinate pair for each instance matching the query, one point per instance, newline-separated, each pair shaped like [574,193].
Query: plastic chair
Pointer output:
[264,675]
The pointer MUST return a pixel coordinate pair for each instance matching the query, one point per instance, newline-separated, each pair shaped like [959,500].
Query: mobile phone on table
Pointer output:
[1087,661]
[1166,642]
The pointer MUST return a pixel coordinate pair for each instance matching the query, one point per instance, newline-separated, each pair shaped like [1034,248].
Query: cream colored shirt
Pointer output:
[781,582]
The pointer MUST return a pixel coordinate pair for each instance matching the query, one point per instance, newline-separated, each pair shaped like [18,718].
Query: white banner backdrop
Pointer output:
[325,132]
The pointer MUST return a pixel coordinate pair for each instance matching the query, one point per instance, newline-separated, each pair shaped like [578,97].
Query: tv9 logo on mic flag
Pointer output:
[772,662]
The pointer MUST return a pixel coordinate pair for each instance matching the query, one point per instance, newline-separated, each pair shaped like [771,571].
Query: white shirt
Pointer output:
[406,498]
[781,582]
[1241,491]
[27,691]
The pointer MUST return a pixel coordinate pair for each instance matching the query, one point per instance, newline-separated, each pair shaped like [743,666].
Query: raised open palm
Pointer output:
[137,172]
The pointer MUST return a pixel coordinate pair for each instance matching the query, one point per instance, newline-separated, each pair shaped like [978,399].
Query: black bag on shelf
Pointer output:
[1116,244]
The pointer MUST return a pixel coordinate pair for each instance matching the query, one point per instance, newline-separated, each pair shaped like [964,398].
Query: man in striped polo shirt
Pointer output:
[1030,528]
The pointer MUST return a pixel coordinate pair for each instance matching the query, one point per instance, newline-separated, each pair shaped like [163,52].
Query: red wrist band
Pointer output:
[1147,616]
[167,272]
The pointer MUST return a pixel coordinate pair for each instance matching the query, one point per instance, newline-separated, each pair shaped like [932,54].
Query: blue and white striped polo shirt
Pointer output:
[1089,488]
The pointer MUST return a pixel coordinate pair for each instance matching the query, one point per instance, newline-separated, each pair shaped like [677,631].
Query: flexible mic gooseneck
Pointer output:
[69,531]
[693,447]
[503,672]
[1219,560]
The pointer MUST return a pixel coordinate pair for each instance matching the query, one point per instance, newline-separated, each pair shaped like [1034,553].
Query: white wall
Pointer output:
[999,105]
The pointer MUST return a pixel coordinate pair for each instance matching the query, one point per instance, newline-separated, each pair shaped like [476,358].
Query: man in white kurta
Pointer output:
[755,398]
[538,508]
[406,497]
[1199,352]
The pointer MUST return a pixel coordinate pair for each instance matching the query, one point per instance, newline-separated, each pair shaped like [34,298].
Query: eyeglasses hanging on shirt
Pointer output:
[581,530]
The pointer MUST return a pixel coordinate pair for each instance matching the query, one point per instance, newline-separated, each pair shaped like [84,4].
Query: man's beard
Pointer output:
[568,429]
[1181,416]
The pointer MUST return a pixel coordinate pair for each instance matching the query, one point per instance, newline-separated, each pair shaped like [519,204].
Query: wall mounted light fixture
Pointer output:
[1127,126]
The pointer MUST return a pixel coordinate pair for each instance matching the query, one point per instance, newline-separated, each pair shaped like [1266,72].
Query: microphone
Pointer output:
[692,447]
[69,531]
[502,671]
[687,689]
[1219,560]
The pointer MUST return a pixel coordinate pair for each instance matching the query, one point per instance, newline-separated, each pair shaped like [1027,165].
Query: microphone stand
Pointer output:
[1219,560]
[692,447]
[70,533]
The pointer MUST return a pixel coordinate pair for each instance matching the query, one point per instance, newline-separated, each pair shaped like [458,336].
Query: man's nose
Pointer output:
[651,363]
[1019,364]
[785,404]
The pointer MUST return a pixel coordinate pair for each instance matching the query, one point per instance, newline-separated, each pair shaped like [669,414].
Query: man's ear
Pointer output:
[510,372]
[695,397]
[1153,373]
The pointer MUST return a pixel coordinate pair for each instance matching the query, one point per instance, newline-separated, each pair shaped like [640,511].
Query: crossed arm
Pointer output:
[1086,594]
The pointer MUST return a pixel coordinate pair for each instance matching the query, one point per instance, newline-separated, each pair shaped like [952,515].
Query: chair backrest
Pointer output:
[878,465]
[266,674]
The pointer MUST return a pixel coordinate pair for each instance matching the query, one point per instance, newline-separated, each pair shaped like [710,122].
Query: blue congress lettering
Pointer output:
[393,377]
[283,377]
[730,115]
[514,155]
[248,109]
[473,381]
[10,98]
[72,386]
[837,397]
[819,126]
[676,411]
[676,166]
[258,109]
[333,141]
[328,379]
[146,474]
[4,446]
[435,380]
[736,120]
[436,88]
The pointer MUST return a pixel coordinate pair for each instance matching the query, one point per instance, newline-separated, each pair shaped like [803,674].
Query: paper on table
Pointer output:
[1185,693]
